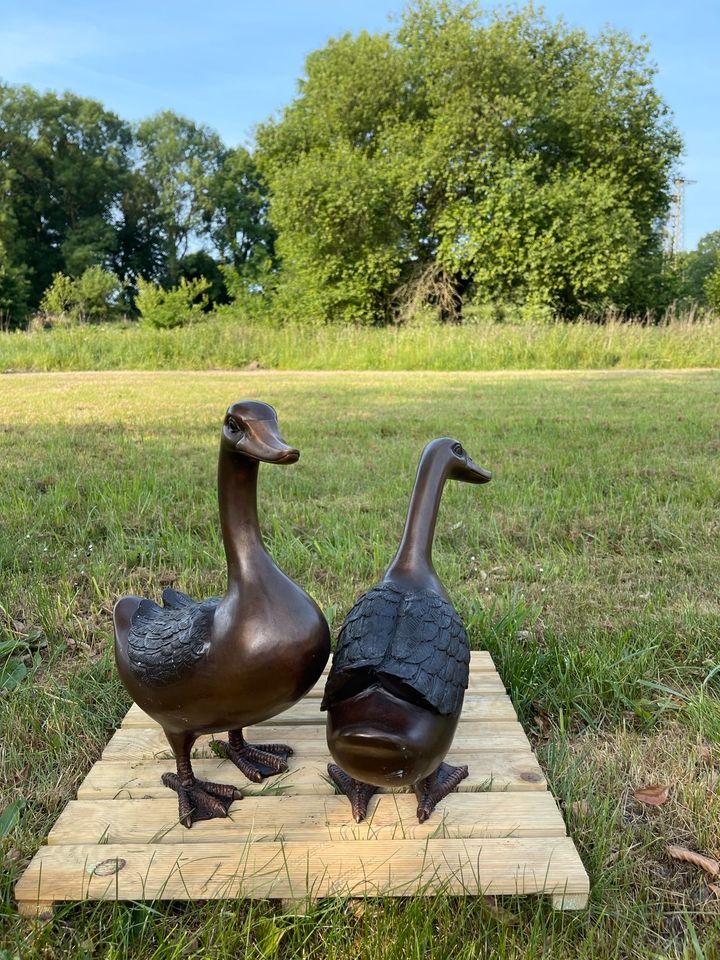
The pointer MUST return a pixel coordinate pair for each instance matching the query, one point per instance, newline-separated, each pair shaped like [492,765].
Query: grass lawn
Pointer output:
[589,567]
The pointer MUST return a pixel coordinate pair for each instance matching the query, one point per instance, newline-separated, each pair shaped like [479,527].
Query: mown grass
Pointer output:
[589,567]
[228,344]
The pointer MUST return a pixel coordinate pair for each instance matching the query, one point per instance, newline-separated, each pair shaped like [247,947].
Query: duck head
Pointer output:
[462,466]
[250,428]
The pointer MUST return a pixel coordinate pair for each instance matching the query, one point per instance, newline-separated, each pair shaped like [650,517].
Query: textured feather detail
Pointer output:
[416,637]
[176,599]
[165,642]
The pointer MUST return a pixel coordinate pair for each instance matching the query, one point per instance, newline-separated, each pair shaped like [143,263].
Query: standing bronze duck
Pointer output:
[227,662]
[401,667]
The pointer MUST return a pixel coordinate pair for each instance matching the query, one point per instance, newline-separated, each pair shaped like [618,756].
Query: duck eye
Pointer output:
[458,450]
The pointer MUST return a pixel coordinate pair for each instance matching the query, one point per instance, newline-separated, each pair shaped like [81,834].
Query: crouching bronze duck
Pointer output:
[228,662]
[399,674]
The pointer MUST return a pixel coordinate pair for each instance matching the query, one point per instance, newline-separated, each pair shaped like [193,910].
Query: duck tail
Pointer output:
[123,612]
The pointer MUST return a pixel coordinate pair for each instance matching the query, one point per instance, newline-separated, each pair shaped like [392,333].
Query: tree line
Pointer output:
[463,157]
[81,188]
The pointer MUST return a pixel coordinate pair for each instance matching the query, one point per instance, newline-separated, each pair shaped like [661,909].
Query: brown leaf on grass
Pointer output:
[654,794]
[714,888]
[543,720]
[499,912]
[708,864]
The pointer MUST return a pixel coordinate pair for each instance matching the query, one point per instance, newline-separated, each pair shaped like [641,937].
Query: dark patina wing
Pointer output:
[430,651]
[164,642]
[416,638]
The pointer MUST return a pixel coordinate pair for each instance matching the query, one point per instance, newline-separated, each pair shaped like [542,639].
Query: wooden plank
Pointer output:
[516,770]
[292,837]
[142,743]
[298,869]
[493,705]
[390,817]
[485,684]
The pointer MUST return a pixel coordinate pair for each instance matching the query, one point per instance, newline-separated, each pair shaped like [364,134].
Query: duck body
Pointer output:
[228,662]
[225,662]
[395,691]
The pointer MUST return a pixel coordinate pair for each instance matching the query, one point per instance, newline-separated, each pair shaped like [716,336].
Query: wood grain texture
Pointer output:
[294,817]
[149,743]
[298,869]
[510,770]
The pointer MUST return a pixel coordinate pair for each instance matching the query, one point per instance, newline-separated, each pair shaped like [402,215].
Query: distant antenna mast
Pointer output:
[676,224]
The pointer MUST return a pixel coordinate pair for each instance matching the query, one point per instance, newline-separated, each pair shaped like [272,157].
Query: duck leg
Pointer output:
[197,799]
[255,760]
[433,789]
[357,792]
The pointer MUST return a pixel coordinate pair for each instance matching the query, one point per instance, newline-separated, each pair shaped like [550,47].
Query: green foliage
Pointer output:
[64,161]
[527,160]
[235,211]
[694,267]
[80,187]
[179,158]
[14,290]
[94,296]
[177,307]
[712,289]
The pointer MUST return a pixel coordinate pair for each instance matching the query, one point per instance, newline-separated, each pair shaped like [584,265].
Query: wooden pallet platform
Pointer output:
[291,837]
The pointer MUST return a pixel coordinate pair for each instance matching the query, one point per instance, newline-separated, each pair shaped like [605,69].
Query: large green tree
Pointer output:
[64,164]
[179,158]
[235,213]
[501,156]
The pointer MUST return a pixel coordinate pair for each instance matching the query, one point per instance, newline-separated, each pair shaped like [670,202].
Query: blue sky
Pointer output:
[232,64]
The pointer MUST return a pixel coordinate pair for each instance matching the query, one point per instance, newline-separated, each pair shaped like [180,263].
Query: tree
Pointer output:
[64,163]
[180,159]
[503,156]
[694,267]
[235,213]
[712,289]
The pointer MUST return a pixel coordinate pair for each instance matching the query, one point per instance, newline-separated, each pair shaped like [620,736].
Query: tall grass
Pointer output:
[221,343]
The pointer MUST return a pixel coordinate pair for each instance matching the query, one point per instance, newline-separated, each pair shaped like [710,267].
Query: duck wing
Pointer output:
[164,642]
[176,599]
[416,638]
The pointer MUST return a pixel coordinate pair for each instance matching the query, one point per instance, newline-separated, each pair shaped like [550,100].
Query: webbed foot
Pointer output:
[200,799]
[433,789]
[357,792]
[255,760]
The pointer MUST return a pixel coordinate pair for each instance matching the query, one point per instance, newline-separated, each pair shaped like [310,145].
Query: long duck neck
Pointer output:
[237,496]
[412,564]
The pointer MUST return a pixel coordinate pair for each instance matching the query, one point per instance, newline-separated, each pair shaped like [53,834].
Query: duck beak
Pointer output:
[477,474]
[266,444]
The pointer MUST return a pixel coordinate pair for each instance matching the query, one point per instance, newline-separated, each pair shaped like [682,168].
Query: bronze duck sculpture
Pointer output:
[227,662]
[399,674]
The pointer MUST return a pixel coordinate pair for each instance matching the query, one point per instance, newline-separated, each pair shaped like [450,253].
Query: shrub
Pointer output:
[94,296]
[176,307]
[712,289]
